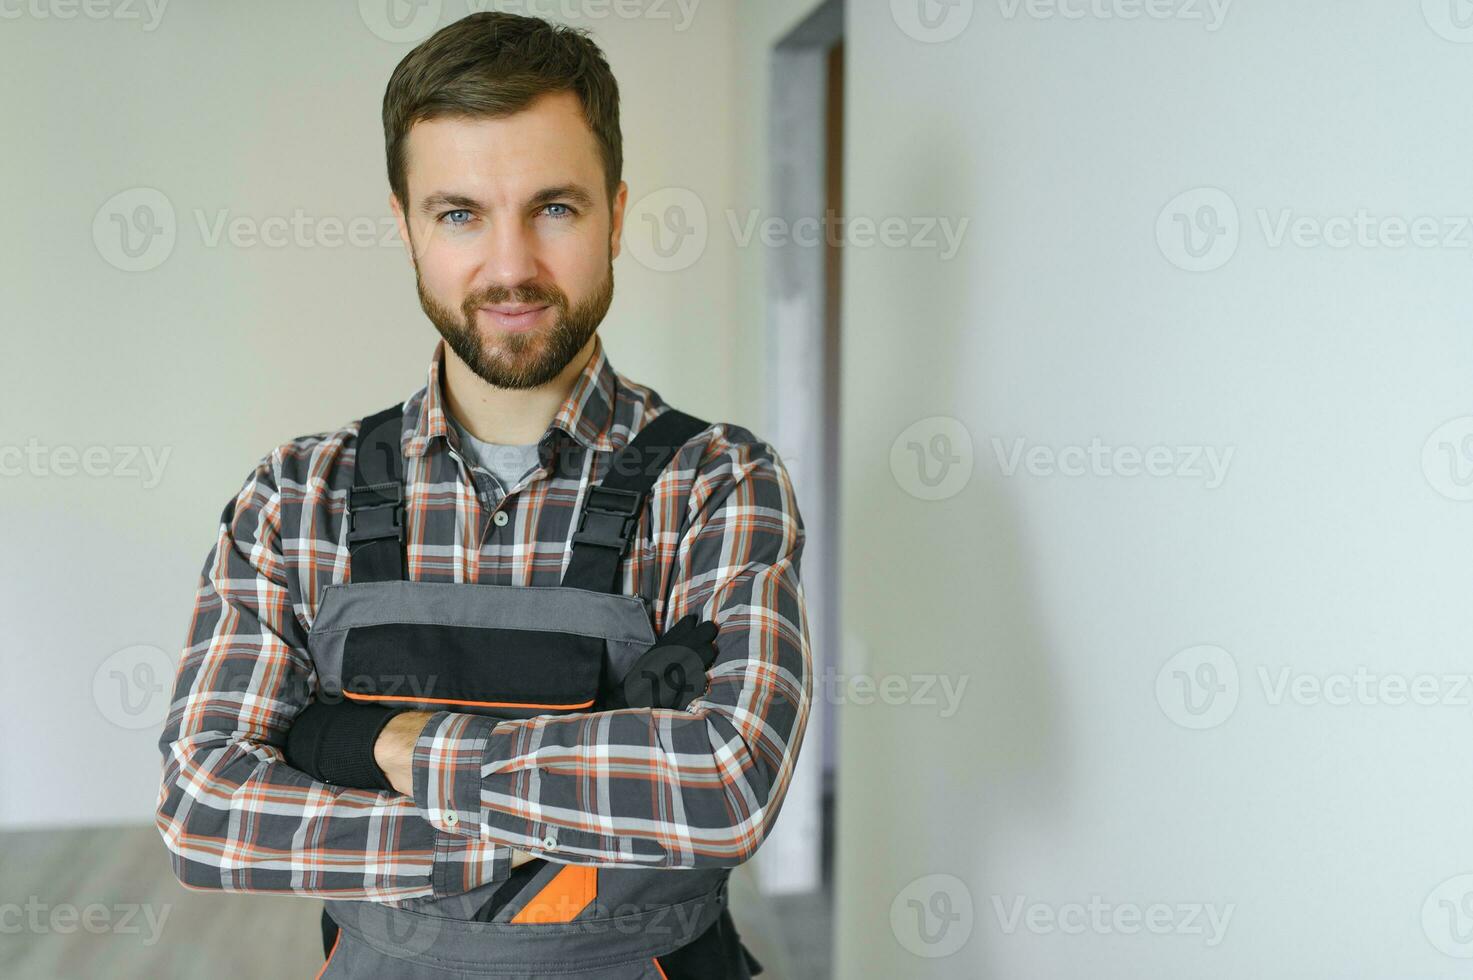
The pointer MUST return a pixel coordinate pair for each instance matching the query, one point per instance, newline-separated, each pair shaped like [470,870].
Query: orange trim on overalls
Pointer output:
[330,953]
[561,899]
[483,704]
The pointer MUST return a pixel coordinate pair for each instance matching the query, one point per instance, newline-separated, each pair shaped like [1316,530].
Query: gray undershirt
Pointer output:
[508,464]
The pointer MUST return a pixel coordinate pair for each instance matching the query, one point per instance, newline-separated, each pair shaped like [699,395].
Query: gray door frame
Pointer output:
[801,395]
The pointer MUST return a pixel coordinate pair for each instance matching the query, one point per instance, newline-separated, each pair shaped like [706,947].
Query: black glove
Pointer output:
[333,743]
[672,673]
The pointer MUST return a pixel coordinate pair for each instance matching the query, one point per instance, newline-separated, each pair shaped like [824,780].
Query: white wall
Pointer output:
[219,353]
[1060,599]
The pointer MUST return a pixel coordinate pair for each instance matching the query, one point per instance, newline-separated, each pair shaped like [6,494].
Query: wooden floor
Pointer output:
[104,902]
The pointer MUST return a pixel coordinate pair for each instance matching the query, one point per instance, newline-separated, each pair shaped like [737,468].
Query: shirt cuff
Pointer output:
[516,791]
[446,769]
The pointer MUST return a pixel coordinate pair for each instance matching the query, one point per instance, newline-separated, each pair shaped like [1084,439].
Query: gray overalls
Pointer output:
[512,652]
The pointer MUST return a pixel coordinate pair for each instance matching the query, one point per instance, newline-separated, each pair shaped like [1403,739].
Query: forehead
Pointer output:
[503,158]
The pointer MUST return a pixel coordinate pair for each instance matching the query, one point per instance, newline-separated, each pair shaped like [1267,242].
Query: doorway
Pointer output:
[805,147]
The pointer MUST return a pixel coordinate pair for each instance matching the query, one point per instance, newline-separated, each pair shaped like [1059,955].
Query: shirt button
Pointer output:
[500,518]
[450,818]
[549,842]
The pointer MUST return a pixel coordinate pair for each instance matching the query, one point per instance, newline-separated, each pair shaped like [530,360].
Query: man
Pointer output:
[514,673]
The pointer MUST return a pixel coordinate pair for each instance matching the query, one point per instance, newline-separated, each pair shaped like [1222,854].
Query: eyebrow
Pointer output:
[446,199]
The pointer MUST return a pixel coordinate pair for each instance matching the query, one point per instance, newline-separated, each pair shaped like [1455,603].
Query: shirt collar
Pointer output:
[587,414]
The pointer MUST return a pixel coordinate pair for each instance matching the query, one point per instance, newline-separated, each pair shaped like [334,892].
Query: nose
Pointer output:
[511,256]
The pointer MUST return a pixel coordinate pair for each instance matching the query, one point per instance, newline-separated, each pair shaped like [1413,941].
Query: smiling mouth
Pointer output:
[516,321]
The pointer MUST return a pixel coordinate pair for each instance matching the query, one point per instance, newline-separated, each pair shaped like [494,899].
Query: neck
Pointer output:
[511,416]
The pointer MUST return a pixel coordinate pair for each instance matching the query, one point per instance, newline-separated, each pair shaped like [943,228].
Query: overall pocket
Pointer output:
[506,651]
[507,673]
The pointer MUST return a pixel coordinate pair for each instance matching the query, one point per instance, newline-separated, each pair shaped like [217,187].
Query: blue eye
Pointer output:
[566,213]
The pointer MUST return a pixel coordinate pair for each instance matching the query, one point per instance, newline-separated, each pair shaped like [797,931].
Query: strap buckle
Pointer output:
[375,512]
[614,514]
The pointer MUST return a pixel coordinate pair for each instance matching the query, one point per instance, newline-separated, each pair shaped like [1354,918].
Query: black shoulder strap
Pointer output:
[376,502]
[611,511]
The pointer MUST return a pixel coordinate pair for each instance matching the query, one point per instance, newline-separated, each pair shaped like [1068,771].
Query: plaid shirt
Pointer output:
[634,787]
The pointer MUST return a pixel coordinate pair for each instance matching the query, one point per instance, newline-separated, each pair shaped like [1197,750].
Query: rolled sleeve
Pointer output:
[233,813]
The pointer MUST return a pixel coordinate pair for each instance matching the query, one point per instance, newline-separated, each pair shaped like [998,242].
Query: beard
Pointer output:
[524,359]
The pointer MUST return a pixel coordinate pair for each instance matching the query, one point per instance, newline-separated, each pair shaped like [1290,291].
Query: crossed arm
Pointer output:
[394,753]
[476,795]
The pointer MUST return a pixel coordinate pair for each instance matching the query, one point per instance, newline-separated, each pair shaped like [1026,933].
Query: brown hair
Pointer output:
[493,64]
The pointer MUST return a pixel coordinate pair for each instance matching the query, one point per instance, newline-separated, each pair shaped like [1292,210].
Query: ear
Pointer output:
[616,226]
[403,224]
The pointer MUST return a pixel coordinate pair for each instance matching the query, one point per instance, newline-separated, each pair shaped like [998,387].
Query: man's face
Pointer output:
[511,215]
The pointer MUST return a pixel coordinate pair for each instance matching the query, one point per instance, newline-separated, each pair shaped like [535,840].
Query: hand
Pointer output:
[394,750]
[672,673]
[394,753]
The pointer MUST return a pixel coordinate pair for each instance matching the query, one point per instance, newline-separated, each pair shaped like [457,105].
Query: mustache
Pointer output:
[545,296]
